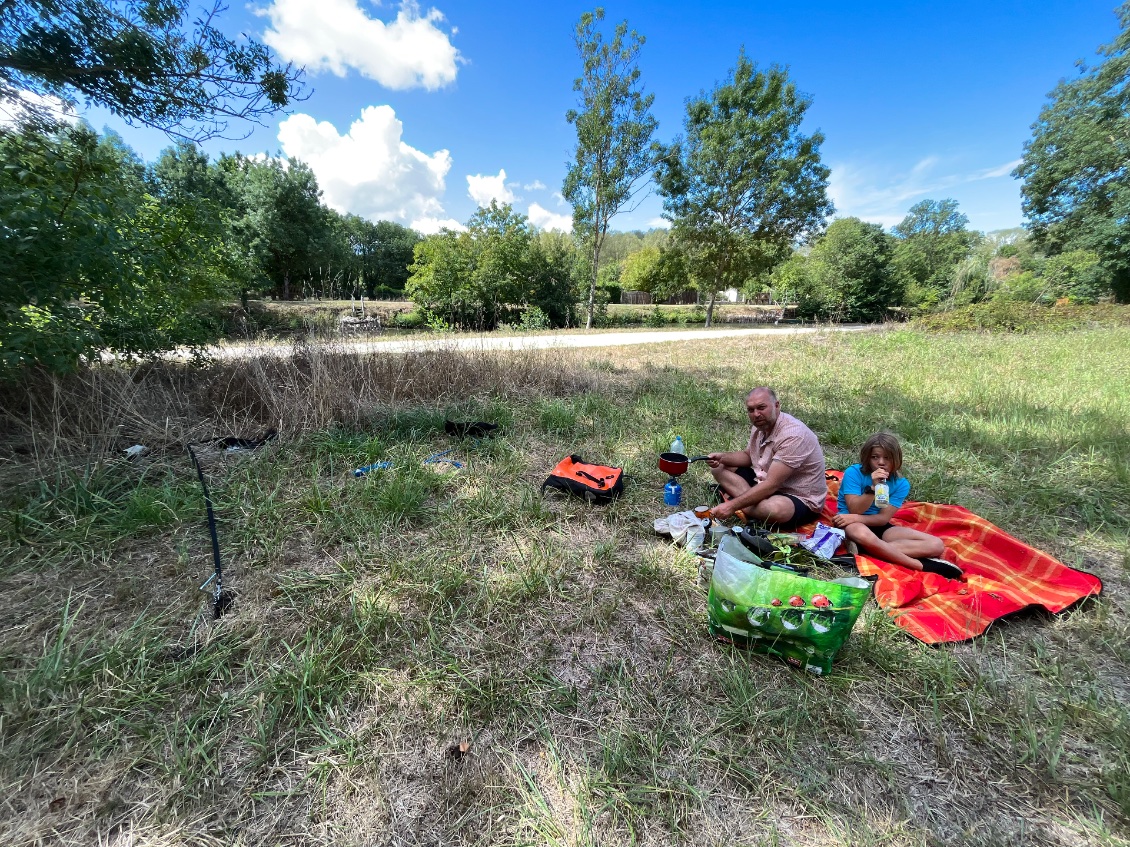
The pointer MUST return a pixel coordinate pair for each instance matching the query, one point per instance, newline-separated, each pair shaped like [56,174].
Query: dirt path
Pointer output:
[536,342]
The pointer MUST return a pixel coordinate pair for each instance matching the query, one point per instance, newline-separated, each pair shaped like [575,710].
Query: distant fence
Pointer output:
[636,298]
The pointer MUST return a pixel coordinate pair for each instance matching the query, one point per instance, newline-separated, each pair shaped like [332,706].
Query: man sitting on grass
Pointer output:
[779,478]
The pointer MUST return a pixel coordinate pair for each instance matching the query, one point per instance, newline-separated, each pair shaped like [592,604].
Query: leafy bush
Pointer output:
[533,319]
[1004,315]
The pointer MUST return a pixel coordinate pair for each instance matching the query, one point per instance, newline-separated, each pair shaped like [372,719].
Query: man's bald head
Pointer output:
[762,406]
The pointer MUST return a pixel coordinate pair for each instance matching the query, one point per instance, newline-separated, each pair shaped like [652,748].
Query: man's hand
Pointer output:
[714,460]
[723,510]
[844,521]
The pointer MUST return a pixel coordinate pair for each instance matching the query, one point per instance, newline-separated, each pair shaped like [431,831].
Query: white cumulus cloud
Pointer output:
[430,226]
[483,188]
[545,219]
[25,104]
[369,171]
[536,185]
[334,35]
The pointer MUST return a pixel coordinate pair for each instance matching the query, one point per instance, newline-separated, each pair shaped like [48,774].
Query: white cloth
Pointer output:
[684,528]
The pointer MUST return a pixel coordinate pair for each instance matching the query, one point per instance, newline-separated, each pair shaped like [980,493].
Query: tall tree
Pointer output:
[614,129]
[933,240]
[847,275]
[90,259]
[144,60]
[1076,181]
[743,184]
[282,222]
[384,252]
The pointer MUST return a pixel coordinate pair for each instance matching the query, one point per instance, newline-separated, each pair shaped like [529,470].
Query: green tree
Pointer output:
[933,239]
[280,220]
[493,272]
[743,184]
[147,61]
[614,129]
[91,259]
[1076,191]
[660,271]
[384,252]
[847,276]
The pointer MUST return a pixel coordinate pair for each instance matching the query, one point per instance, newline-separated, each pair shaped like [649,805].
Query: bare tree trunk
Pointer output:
[592,282]
[710,306]
[286,286]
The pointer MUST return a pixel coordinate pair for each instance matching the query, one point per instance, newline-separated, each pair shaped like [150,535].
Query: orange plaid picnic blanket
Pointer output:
[1002,575]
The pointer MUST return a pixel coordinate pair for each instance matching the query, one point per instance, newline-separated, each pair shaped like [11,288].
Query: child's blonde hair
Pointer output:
[889,444]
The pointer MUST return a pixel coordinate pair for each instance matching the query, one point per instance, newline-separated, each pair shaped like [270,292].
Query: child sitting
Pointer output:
[869,526]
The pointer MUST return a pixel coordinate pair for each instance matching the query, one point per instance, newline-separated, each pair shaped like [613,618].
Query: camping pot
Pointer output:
[676,464]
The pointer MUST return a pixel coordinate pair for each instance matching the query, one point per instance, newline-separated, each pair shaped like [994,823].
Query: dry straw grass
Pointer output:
[101,410]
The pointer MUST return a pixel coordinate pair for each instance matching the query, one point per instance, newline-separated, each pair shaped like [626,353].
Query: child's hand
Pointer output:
[879,475]
[841,521]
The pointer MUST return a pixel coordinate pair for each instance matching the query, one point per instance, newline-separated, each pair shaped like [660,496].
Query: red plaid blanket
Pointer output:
[1002,575]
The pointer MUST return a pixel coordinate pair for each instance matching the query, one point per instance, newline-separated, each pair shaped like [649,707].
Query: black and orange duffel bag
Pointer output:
[596,483]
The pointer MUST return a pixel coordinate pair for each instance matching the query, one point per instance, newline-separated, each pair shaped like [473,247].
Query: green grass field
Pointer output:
[438,656]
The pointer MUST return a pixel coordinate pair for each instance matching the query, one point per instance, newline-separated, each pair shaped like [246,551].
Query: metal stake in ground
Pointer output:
[221,600]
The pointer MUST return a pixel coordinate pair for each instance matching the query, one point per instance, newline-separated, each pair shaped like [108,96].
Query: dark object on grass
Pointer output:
[233,443]
[458,750]
[470,429]
[222,599]
[757,543]
[941,568]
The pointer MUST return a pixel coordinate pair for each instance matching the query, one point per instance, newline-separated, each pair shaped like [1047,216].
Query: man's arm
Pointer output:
[777,476]
[734,459]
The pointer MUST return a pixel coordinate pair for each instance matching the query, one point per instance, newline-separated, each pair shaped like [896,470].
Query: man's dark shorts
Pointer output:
[802,514]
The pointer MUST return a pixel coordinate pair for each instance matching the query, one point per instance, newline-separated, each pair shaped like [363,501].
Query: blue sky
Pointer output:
[417,110]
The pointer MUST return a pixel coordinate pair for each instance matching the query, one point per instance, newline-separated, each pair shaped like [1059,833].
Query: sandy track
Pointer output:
[533,342]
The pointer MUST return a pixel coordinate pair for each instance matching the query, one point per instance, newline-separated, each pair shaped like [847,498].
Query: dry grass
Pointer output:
[381,622]
[100,411]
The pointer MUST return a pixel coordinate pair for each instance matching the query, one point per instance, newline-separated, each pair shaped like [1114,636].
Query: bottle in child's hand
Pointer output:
[882,494]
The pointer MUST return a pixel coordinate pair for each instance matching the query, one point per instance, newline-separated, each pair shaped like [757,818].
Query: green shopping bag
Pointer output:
[803,621]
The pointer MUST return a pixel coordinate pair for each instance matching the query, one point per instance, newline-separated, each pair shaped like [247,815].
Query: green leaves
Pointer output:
[145,60]
[1076,185]
[90,259]
[847,276]
[614,129]
[490,273]
[743,184]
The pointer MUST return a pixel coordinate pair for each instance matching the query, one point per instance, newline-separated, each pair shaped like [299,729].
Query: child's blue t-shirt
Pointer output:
[855,480]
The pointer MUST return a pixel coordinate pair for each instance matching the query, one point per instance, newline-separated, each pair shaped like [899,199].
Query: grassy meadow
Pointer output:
[431,656]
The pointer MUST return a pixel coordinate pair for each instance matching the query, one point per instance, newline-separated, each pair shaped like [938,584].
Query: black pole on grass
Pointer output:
[220,601]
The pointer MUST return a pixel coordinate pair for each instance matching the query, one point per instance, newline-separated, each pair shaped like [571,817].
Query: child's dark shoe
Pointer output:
[942,568]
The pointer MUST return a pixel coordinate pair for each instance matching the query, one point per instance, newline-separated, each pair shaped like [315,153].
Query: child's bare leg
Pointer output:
[911,542]
[862,535]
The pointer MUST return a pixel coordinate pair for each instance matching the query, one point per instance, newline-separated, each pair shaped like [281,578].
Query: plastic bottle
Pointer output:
[677,446]
[882,494]
[672,493]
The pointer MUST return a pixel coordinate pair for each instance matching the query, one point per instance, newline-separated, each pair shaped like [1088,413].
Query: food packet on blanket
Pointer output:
[684,528]
[824,542]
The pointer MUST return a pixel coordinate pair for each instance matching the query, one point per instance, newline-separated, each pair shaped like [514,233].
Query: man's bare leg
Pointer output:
[730,482]
[775,509]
